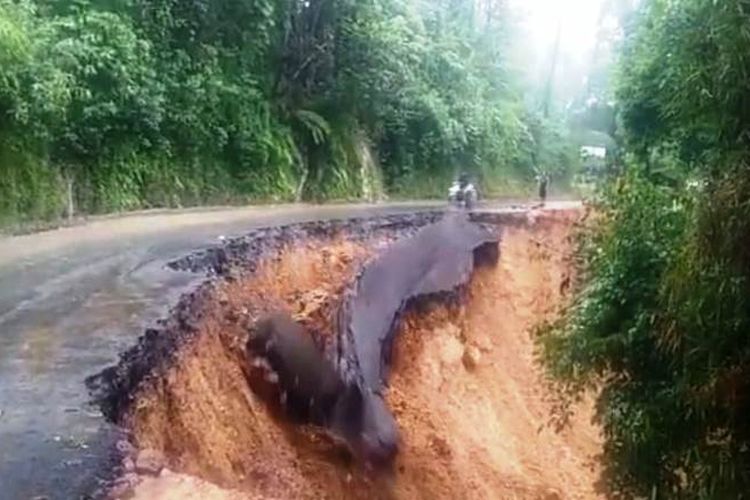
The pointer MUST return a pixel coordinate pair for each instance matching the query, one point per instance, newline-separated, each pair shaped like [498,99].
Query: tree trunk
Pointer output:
[303,180]
[70,205]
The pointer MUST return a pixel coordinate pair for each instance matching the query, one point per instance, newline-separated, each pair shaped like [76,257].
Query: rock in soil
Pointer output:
[471,357]
[128,465]
[125,448]
[149,462]
[552,494]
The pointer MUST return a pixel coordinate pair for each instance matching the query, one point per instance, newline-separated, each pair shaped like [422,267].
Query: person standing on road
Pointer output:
[543,180]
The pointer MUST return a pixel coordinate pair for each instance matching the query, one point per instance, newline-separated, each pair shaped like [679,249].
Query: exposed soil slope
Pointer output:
[470,399]
[467,394]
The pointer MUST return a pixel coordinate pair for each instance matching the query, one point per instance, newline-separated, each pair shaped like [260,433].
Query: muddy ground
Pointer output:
[468,396]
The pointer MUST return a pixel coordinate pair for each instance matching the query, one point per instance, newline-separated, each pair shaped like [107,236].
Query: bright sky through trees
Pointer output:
[578,21]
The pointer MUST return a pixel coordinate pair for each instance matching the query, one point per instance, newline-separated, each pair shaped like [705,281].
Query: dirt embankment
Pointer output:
[203,415]
[468,397]
[471,400]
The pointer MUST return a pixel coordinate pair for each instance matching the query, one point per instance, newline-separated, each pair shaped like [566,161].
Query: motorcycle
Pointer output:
[463,195]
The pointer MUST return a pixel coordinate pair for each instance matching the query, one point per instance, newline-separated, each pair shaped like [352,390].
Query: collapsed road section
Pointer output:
[385,264]
[237,259]
[434,263]
[375,301]
[437,261]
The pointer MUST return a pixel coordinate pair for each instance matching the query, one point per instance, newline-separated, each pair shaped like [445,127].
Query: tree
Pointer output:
[660,318]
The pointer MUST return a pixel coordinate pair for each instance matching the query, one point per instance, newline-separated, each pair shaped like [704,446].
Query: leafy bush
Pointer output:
[659,324]
[137,103]
[607,336]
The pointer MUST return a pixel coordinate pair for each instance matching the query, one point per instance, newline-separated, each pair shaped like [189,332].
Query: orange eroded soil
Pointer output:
[470,398]
[465,389]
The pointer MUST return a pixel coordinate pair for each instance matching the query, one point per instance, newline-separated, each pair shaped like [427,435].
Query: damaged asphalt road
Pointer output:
[70,301]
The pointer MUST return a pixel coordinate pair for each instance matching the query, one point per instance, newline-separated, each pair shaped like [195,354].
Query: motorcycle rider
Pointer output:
[463,180]
[463,191]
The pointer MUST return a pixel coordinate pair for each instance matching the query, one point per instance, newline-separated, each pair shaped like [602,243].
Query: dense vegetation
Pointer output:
[660,323]
[119,104]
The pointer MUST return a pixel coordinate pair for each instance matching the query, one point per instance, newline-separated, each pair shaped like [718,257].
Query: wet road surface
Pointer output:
[70,301]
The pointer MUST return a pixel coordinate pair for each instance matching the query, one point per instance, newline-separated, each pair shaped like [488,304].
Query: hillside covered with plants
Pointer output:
[660,323]
[110,105]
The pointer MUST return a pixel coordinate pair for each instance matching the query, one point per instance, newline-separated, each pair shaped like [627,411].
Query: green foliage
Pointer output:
[684,77]
[29,189]
[659,323]
[142,103]
[115,96]
[551,149]
[706,292]
[607,334]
